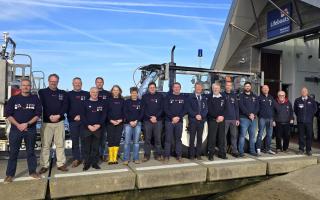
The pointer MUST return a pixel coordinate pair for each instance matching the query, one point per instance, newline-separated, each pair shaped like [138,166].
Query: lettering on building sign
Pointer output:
[278,23]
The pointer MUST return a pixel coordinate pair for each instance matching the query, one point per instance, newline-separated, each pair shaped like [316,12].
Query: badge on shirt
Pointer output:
[60,97]
[301,105]
[180,101]
[82,98]
[222,102]
[232,100]
[99,108]
[17,106]
[253,99]
[30,106]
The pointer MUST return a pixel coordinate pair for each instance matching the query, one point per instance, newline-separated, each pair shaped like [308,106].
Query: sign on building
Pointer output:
[278,23]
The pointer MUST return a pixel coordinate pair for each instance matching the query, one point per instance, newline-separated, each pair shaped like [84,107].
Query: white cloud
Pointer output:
[121,10]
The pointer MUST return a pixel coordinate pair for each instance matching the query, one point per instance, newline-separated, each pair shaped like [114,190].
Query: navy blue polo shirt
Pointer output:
[133,110]
[153,106]
[75,100]
[175,106]
[54,102]
[93,112]
[23,109]
[115,108]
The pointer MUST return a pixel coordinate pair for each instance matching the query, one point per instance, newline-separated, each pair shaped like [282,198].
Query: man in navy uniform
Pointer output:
[55,105]
[305,108]
[75,99]
[216,125]
[266,107]
[152,103]
[93,116]
[231,117]
[249,108]
[104,95]
[23,112]
[175,109]
[197,113]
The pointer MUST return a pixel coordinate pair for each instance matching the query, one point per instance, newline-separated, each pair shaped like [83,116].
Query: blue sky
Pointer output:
[89,38]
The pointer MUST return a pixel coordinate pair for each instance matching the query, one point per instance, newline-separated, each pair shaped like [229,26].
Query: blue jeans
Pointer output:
[131,135]
[265,124]
[250,126]
[15,140]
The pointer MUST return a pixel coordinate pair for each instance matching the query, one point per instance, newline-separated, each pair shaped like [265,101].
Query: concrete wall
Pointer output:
[296,65]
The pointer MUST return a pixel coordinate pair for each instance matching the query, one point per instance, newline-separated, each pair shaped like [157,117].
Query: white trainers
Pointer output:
[259,152]
[271,152]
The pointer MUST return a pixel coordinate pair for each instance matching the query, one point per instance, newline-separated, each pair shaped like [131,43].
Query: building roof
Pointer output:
[241,15]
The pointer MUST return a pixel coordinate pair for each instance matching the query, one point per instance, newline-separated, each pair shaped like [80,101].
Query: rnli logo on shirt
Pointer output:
[82,98]
[253,99]
[180,101]
[232,100]
[60,97]
[30,106]
[154,100]
[104,97]
[301,105]
[137,107]
[99,108]
[17,106]
[221,103]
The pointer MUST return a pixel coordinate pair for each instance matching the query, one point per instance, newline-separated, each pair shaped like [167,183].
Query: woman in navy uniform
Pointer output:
[115,118]
[133,113]
[23,112]
[92,116]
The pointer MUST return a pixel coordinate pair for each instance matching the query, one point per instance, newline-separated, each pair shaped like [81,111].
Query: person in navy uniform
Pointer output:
[216,124]
[115,119]
[197,108]
[133,112]
[266,107]
[152,121]
[93,116]
[231,117]
[305,108]
[283,119]
[55,105]
[104,95]
[23,112]
[75,99]
[249,108]
[175,109]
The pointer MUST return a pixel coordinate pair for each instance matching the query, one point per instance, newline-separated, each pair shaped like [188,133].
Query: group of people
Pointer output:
[100,116]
